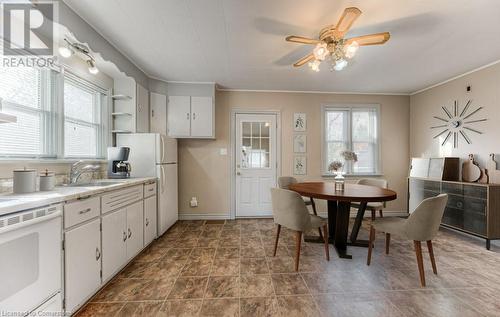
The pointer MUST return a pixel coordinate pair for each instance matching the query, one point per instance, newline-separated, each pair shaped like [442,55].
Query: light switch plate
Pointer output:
[223,151]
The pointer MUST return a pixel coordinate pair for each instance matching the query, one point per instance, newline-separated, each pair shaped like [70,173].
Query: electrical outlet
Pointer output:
[193,202]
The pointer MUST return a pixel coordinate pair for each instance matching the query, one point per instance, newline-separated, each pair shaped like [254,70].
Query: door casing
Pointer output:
[232,139]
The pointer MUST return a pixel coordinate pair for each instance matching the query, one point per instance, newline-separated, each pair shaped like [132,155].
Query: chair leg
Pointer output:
[313,205]
[420,261]
[381,213]
[373,214]
[327,249]
[431,255]
[277,238]
[298,241]
[387,242]
[370,245]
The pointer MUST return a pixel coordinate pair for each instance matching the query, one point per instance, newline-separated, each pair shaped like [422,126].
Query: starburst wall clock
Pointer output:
[457,124]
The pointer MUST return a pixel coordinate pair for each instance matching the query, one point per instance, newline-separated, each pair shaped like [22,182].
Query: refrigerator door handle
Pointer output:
[162,178]
[162,148]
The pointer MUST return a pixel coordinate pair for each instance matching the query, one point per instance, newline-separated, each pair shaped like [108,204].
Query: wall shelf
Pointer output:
[121,97]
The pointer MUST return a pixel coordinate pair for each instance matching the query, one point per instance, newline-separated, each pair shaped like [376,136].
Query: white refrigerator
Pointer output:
[155,155]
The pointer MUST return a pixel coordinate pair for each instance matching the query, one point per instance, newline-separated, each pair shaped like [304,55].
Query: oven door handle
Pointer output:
[30,222]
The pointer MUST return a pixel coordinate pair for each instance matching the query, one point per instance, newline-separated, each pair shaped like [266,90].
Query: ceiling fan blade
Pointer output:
[371,39]
[304,60]
[346,20]
[301,39]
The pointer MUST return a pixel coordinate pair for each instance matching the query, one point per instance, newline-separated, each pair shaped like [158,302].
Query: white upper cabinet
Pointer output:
[202,113]
[179,116]
[158,105]
[190,117]
[142,109]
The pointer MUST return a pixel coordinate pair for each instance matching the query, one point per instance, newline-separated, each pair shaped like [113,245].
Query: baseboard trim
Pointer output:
[190,216]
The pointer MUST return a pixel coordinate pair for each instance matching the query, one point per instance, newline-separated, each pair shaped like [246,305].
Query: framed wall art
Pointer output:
[300,143]
[299,165]
[299,122]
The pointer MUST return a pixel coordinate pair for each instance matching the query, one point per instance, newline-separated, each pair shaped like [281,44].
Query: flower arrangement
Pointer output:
[335,166]
[349,156]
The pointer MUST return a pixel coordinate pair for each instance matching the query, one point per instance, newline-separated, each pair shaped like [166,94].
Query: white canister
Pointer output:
[47,181]
[24,181]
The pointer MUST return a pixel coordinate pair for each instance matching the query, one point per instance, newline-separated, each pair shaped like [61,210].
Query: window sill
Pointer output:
[353,175]
[47,160]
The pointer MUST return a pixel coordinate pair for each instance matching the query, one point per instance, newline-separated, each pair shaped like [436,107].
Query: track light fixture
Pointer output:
[72,47]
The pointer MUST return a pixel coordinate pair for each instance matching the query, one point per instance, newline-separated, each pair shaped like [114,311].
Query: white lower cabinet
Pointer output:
[149,220]
[135,229]
[82,263]
[114,242]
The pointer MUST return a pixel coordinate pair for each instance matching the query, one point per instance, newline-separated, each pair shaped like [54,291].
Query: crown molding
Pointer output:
[314,92]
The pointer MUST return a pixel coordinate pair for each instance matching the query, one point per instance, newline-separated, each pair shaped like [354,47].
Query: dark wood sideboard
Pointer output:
[472,208]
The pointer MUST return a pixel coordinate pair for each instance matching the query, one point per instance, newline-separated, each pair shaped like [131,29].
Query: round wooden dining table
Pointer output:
[339,208]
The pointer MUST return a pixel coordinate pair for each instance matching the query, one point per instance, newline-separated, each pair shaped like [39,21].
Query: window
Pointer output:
[32,95]
[83,130]
[353,128]
[29,94]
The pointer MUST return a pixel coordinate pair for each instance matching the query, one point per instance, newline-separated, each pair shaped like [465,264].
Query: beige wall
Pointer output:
[204,173]
[485,92]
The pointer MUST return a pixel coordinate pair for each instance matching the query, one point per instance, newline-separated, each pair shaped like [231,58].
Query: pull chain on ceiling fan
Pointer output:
[332,44]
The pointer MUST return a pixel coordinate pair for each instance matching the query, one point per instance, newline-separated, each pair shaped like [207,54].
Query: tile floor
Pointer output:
[227,269]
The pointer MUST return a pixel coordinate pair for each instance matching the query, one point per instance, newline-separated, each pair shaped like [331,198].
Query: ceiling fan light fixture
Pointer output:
[340,64]
[351,49]
[314,65]
[320,52]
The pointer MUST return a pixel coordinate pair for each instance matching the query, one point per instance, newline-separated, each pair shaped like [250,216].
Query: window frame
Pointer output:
[349,108]
[53,125]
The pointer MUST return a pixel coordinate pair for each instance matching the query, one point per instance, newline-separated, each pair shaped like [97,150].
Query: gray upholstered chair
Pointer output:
[421,225]
[290,211]
[373,206]
[284,182]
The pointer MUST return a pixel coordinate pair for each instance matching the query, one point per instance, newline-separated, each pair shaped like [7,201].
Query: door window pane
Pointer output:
[255,145]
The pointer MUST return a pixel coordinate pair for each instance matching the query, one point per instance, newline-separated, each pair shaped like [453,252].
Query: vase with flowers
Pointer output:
[335,167]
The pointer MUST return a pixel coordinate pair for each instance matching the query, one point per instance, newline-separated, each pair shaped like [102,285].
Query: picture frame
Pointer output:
[300,165]
[299,122]
[300,143]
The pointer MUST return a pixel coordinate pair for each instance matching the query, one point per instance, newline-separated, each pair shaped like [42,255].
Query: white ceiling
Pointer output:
[240,44]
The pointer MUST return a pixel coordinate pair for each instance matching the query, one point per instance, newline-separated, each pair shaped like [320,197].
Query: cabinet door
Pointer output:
[135,229]
[179,116]
[142,117]
[158,113]
[149,219]
[82,263]
[202,116]
[114,242]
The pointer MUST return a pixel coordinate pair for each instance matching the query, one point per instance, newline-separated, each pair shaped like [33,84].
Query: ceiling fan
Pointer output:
[332,44]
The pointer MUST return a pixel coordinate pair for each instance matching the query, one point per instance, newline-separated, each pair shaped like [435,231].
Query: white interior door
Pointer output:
[256,162]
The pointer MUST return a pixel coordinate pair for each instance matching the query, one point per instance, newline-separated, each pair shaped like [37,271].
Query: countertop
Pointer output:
[10,203]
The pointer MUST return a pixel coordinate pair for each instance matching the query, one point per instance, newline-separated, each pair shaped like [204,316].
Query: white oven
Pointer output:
[30,260]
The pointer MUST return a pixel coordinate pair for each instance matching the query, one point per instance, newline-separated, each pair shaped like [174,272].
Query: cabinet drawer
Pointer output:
[121,198]
[81,210]
[149,189]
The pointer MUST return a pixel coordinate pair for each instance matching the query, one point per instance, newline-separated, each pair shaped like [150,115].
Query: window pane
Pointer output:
[23,137]
[82,120]
[333,152]
[80,140]
[78,103]
[20,85]
[366,158]
[336,125]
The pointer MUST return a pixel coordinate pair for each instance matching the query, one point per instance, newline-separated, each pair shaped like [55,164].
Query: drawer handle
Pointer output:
[81,212]
[124,236]
[84,197]
[129,233]
[97,254]
[150,190]
[147,222]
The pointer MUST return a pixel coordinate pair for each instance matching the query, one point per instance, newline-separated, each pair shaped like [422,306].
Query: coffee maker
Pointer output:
[118,167]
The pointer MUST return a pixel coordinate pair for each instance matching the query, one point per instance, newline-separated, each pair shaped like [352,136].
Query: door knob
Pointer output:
[238,173]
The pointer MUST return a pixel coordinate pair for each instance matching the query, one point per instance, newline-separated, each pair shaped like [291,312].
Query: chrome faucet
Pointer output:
[81,167]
